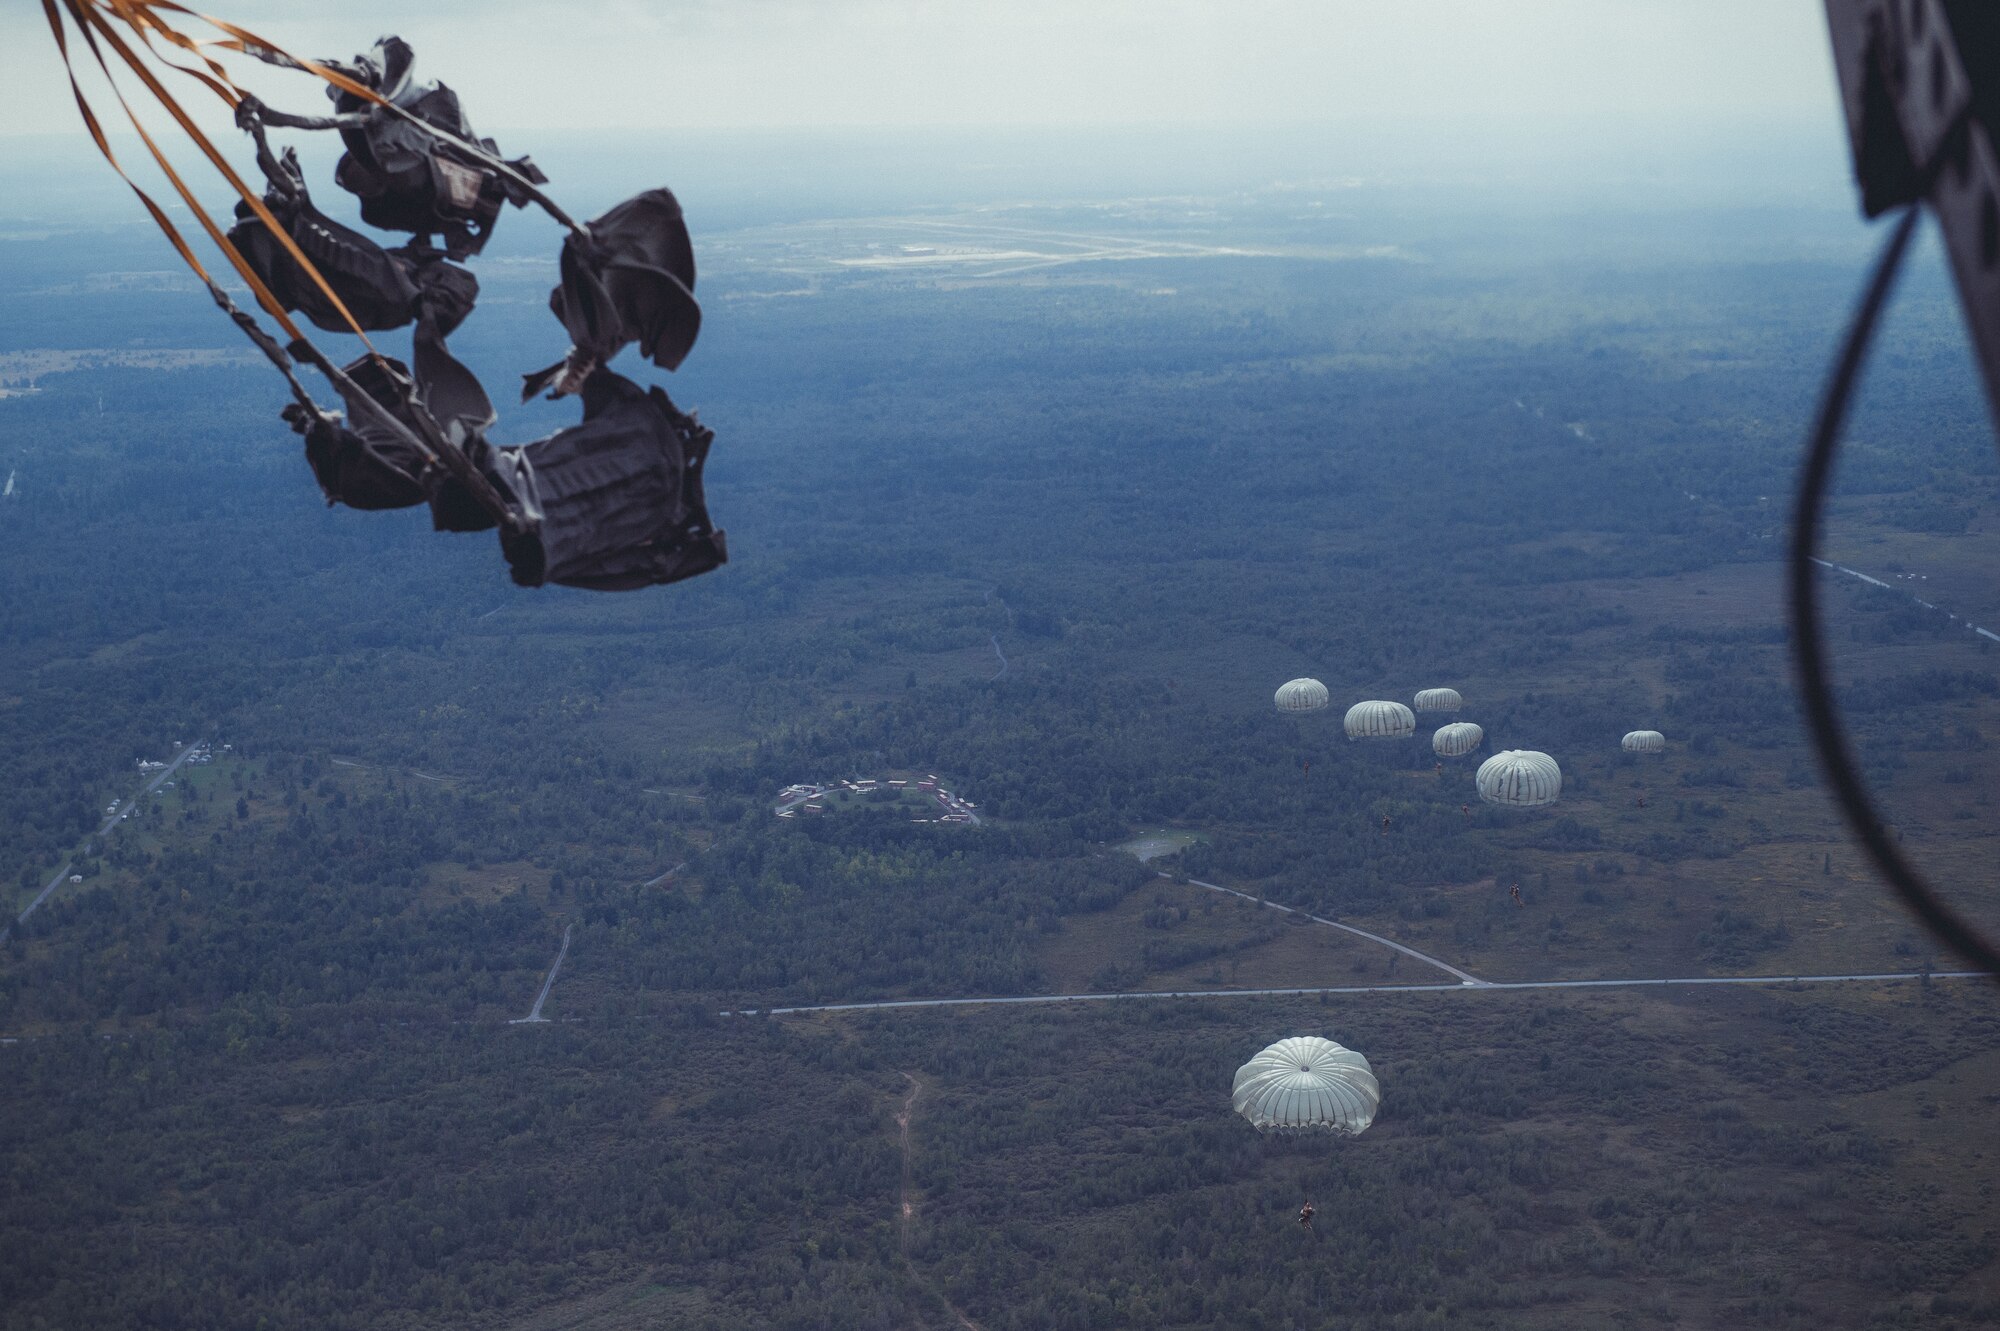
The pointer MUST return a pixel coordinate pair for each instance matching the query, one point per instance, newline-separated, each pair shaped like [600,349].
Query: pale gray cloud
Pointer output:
[626,64]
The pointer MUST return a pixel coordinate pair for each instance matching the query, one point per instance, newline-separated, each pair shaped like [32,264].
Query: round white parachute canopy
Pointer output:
[1380,720]
[1439,700]
[1457,739]
[1521,778]
[1306,1084]
[1644,741]
[1301,695]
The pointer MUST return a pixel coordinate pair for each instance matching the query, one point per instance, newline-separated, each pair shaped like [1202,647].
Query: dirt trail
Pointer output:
[906,1209]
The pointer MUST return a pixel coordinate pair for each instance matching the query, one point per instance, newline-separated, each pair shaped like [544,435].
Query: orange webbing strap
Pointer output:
[153,28]
[257,335]
[91,23]
[244,39]
[104,146]
[88,16]
[249,43]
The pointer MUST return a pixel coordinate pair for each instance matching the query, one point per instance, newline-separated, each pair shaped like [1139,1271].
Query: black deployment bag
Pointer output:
[359,462]
[381,288]
[406,177]
[378,289]
[616,502]
[628,277]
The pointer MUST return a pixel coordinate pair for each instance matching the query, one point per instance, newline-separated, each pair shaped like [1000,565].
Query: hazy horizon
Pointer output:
[873,62]
[1546,105]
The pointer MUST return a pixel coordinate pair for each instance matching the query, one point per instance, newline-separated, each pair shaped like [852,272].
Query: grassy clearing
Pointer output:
[1171,935]
[1780,890]
[1149,846]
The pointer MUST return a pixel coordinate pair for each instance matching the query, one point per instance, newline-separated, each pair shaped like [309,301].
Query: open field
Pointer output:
[1148,846]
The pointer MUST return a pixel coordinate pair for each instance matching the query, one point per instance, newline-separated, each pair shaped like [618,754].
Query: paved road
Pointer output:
[1465,980]
[904,1208]
[1889,586]
[535,1012]
[111,820]
[1484,986]
[1428,960]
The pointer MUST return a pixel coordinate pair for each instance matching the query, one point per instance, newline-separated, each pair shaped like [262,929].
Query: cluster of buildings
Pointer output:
[952,809]
[202,754]
[807,797]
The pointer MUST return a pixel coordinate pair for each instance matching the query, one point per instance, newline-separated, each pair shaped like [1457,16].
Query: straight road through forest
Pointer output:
[111,820]
[1465,980]
[1858,575]
[535,1012]
[1483,986]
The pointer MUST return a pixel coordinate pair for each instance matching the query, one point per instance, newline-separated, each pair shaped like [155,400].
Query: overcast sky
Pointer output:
[628,64]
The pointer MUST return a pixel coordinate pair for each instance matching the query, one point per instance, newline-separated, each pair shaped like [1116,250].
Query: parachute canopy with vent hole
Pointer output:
[1307,1084]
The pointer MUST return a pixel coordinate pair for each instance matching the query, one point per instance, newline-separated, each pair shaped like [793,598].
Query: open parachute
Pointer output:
[1307,1084]
[613,502]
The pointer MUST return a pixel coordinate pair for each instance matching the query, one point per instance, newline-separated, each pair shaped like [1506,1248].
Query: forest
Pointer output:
[1058,540]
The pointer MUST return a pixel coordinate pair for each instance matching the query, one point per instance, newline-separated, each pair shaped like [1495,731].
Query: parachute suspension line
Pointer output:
[268,52]
[257,335]
[160,218]
[153,29]
[625,505]
[91,23]
[88,15]
[1808,645]
[263,340]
